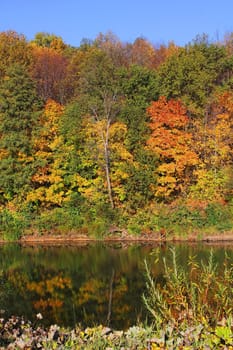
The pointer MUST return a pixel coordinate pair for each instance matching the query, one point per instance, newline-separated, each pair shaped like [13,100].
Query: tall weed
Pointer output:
[202,292]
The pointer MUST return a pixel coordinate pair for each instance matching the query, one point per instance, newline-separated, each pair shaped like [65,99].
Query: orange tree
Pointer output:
[171,141]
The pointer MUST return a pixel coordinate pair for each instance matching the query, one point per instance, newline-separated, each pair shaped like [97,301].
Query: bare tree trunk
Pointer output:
[107,165]
[105,139]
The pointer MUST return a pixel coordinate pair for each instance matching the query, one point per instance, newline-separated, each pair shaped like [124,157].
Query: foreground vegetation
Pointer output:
[18,334]
[188,308]
[192,294]
[112,134]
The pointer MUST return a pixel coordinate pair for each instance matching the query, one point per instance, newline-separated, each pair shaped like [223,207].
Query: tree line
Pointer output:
[130,134]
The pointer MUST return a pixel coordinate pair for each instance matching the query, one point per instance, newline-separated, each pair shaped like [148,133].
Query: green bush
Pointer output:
[61,220]
[181,219]
[144,221]
[219,216]
[98,219]
[12,225]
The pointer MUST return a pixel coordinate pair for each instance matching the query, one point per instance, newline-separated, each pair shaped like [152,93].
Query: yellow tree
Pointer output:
[213,143]
[92,155]
[48,147]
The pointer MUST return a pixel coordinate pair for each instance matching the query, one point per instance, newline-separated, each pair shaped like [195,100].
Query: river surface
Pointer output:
[92,284]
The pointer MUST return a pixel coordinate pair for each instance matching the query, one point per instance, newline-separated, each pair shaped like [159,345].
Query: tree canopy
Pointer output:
[111,129]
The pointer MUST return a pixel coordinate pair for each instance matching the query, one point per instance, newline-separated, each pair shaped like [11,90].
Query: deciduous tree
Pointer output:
[14,49]
[49,70]
[19,106]
[171,141]
[100,90]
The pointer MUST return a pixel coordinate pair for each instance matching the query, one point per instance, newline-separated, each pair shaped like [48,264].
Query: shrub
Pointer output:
[60,220]
[12,225]
[219,216]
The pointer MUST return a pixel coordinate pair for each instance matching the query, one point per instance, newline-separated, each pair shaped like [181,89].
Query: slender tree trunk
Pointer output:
[105,138]
[107,165]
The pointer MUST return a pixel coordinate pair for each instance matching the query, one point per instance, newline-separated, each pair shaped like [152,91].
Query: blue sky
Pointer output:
[159,21]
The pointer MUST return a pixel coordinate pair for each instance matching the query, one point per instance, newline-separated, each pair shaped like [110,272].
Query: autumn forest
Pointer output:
[113,135]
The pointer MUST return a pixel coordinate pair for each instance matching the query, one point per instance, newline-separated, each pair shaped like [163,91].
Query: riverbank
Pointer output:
[126,237]
[82,239]
[162,224]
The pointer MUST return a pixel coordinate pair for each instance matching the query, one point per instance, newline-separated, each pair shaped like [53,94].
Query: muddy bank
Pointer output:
[83,239]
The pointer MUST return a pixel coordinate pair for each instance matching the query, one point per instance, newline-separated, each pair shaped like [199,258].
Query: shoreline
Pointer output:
[80,239]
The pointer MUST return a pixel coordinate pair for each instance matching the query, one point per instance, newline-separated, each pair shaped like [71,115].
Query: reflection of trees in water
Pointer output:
[64,301]
[5,291]
[106,298]
[44,291]
[50,294]
[73,284]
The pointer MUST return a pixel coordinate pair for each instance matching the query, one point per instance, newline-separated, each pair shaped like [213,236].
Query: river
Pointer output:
[89,284]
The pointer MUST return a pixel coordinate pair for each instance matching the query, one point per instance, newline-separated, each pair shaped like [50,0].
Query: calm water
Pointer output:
[92,284]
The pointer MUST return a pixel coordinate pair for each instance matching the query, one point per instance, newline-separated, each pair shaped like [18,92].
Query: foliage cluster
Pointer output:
[108,133]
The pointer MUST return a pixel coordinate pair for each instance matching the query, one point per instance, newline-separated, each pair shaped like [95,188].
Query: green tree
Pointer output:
[192,74]
[138,85]
[18,113]
[76,162]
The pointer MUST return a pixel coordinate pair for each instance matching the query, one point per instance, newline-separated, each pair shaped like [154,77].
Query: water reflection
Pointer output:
[91,284]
